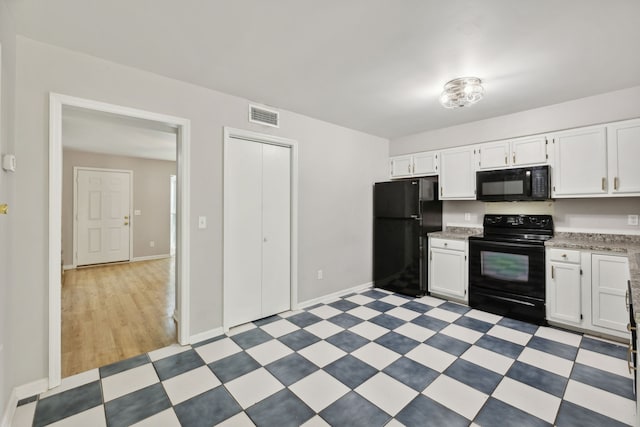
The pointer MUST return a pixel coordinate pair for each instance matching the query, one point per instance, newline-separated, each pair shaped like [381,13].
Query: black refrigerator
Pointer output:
[404,212]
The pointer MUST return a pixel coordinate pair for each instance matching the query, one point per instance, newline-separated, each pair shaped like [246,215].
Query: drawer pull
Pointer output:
[629,357]
[626,299]
[553,270]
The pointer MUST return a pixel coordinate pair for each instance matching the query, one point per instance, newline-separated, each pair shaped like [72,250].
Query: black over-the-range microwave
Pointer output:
[531,183]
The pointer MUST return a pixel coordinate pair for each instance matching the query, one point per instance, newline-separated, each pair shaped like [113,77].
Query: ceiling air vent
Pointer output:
[263,116]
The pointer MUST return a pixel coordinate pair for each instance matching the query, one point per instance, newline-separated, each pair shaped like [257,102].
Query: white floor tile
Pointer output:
[93,417]
[528,399]
[488,359]
[546,361]
[166,418]
[484,316]
[557,335]
[190,384]
[324,329]
[604,362]
[241,328]
[322,353]
[431,357]
[394,300]
[316,422]
[601,401]
[218,350]
[369,330]
[168,351]
[129,381]
[239,420]
[360,299]
[253,387]
[415,332]
[319,390]
[325,311]
[376,355]
[269,351]
[364,313]
[446,315]
[73,382]
[394,423]
[432,301]
[509,334]
[279,328]
[386,393]
[23,416]
[456,396]
[464,334]
[403,313]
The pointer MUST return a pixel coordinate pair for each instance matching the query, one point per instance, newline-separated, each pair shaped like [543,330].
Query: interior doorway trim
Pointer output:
[229,135]
[183,126]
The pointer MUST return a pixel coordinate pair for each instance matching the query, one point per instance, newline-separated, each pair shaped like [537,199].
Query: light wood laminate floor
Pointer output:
[111,313]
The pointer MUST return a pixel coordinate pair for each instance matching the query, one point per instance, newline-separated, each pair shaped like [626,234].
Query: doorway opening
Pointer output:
[173,268]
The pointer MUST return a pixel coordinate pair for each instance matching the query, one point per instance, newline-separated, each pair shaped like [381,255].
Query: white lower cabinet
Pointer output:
[448,268]
[587,290]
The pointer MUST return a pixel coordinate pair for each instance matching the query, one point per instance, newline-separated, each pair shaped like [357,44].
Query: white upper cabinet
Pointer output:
[401,166]
[529,151]
[425,163]
[458,174]
[580,162]
[623,141]
[513,153]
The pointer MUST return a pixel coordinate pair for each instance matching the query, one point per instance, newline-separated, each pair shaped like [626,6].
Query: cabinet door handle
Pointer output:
[604,183]
[431,255]
[409,168]
[506,159]
[626,299]
[514,158]
[615,183]
[629,362]
[553,272]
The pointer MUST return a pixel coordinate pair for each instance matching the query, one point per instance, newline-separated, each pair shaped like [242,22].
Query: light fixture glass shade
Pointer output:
[461,92]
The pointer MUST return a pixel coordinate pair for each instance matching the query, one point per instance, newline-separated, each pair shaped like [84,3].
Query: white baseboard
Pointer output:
[332,296]
[19,393]
[68,267]
[150,257]
[202,336]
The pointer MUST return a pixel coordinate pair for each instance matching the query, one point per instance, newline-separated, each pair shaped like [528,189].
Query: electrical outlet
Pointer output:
[202,222]
[632,219]
[152,244]
[320,275]
[467,216]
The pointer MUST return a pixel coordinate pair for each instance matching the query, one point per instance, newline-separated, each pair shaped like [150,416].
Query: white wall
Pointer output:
[8,42]
[605,215]
[337,169]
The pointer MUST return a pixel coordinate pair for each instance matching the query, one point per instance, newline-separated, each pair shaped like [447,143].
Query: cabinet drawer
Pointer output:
[564,255]
[456,245]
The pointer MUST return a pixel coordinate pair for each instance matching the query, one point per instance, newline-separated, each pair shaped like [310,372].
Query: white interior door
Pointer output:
[102,216]
[257,248]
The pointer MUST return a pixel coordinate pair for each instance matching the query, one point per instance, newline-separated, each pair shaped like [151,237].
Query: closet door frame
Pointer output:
[229,135]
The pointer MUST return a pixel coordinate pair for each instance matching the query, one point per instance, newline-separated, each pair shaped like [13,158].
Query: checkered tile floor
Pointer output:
[368,359]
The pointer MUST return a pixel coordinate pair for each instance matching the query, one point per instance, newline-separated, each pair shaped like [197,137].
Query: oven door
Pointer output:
[507,267]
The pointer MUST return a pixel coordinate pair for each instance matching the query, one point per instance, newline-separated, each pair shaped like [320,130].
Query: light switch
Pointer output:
[202,222]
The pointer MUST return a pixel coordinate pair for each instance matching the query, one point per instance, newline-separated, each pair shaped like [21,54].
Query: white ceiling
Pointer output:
[372,65]
[104,133]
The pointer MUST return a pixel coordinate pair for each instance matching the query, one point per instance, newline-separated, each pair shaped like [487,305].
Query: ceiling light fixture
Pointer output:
[462,92]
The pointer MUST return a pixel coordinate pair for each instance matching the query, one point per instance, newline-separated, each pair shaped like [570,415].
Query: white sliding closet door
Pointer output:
[257,219]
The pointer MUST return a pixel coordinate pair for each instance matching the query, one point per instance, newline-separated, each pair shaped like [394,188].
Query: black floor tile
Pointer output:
[474,376]
[387,321]
[411,373]
[475,324]
[603,380]
[27,400]
[553,347]
[497,413]
[304,319]
[572,415]
[347,341]
[396,342]
[380,306]
[375,294]
[234,366]
[610,349]
[207,409]
[343,305]
[251,338]
[500,346]
[136,406]
[345,320]
[351,371]
[454,307]
[354,411]
[290,369]
[518,325]
[416,306]
[177,364]
[299,339]
[67,403]
[449,344]
[430,322]
[124,365]
[423,411]
[538,378]
[282,409]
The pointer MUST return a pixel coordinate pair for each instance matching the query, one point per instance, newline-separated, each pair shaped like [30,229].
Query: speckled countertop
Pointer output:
[456,233]
[614,243]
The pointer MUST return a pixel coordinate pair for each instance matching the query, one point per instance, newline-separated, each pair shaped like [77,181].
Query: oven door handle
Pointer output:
[482,244]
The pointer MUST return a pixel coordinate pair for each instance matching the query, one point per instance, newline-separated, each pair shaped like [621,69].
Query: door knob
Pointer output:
[126,223]
[126,217]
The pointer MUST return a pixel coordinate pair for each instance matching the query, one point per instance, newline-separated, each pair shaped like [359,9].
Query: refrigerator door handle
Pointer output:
[415,217]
